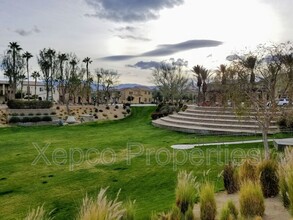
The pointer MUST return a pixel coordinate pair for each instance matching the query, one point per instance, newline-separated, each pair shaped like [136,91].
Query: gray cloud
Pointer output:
[145,65]
[24,33]
[132,37]
[154,64]
[130,10]
[126,28]
[169,49]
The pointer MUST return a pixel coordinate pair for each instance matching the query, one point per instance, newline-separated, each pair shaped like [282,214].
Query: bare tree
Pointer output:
[259,96]
[107,79]
[171,81]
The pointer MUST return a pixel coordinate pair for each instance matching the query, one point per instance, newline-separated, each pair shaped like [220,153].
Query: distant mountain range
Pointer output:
[132,85]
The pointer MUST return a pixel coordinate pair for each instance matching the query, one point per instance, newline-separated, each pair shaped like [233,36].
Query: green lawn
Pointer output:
[129,154]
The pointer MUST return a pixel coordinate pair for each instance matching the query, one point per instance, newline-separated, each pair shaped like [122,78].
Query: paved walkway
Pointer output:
[190,146]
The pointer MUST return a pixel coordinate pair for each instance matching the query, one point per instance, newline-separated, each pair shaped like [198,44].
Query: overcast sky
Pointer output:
[131,36]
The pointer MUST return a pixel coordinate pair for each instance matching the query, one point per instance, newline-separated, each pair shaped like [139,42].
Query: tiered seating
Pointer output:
[211,120]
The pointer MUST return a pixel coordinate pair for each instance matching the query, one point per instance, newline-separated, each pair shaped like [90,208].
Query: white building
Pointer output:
[40,90]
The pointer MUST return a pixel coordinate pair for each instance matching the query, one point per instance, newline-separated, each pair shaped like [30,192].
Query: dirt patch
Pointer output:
[274,209]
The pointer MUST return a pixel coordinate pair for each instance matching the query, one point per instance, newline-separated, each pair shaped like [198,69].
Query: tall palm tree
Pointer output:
[87,61]
[98,85]
[21,78]
[27,56]
[222,71]
[250,63]
[51,55]
[14,49]
[73,64]
[204,75]
[35,76]
[62,58]
[197,70]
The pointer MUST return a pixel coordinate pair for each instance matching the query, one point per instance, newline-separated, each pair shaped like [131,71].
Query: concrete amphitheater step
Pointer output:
[218,120]
[200,129]
[211,120]
[214,125]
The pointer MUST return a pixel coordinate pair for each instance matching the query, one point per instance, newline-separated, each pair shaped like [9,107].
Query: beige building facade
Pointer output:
[139,94]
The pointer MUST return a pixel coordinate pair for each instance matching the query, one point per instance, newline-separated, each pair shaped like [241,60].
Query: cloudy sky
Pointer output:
[131,36]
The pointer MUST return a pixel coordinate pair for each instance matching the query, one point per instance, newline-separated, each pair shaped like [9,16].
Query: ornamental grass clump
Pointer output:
[208,208]
[286,180]
[101,208]
[173,214]
[38,214]
[129,213]
[186,190]
[251,200]
[229,211]
[268,177]
[248,172]
[231,178]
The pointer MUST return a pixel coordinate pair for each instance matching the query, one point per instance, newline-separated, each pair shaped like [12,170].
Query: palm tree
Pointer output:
[250,63]
[98,85]
[204,76]
[87,61]
[27,56]
[35,75]
[21,78]
[62,58]
[51,55]
[197,70]
[222,71]
[14,49]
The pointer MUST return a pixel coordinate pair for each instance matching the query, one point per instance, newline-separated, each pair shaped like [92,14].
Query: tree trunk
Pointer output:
[266,143]
[35,89]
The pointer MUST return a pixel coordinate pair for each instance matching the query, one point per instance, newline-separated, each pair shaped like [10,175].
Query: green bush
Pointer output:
[231,180]
[208,207]
[31,114]
[248,172]
[35,119]
[251,200]
[269,180]
[14,119]
[229,211]
[26,119]
[47,118]
[34,104]
[186,190]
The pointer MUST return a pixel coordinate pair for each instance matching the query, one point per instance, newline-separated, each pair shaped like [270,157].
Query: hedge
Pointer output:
[15,119]
[34,104]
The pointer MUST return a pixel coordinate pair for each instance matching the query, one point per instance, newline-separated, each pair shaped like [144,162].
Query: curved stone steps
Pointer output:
[214,125]
[211,120]
[199,129]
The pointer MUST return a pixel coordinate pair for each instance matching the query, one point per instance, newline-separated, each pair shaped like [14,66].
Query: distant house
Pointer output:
[40,90]
[4,90]
[140,94]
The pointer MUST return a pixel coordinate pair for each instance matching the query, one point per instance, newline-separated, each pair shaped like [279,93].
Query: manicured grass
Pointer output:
[132,145]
